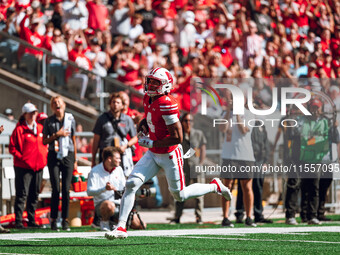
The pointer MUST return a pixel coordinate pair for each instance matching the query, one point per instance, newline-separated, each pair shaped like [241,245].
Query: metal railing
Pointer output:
[50,72]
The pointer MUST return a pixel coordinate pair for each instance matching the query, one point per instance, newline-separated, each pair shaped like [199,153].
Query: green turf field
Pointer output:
[274,238]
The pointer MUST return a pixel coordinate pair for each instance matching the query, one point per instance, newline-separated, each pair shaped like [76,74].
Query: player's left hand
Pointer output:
[145,142]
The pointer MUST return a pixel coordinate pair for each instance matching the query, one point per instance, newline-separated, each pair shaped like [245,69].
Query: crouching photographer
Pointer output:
[106,183]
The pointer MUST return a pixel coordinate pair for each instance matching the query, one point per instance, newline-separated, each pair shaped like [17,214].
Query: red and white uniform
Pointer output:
[159,114]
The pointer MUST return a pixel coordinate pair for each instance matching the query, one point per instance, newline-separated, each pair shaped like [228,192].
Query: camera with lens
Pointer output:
[146,190]
[119,194]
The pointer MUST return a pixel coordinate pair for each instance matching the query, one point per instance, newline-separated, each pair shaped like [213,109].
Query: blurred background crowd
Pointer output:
[206,38]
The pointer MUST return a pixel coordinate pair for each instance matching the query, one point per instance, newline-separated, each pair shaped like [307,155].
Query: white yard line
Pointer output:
[180,232]
[249,239]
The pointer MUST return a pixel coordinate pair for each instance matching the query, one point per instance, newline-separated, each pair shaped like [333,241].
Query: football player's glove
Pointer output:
[145,142]
[143,127]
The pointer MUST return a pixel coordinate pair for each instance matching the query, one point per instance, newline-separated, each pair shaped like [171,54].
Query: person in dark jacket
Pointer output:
[30,157]
[59,133]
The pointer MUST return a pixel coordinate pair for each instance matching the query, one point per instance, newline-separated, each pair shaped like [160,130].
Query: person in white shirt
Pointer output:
[136,27]
[106,183]
[237,151]
[56,67]
[75,14]
[100,62]
[187,34]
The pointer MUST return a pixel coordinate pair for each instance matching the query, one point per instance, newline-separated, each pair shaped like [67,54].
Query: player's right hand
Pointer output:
[143,127]
[145,142]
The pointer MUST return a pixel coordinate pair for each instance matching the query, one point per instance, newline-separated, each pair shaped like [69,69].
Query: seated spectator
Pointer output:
[106,183]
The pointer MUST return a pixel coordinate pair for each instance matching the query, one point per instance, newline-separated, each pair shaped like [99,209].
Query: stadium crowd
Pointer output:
[206,38]
[232,39]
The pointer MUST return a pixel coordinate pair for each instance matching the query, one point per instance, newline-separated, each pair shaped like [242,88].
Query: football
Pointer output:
[143,127]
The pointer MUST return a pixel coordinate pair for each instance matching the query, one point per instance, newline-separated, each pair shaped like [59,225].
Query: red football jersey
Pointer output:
[165,105]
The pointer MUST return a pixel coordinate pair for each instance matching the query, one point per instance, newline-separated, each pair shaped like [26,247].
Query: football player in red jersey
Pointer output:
[161,132]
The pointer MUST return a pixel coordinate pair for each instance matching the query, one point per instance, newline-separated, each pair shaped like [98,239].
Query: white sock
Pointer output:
[122,224]
[197,190]
[128,200]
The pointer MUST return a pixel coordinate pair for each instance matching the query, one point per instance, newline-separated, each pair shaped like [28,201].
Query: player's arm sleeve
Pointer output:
[170,119]
[170,112]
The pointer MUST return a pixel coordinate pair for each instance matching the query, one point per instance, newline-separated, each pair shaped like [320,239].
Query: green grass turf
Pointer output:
[245,244]
[212,244]
[277,223]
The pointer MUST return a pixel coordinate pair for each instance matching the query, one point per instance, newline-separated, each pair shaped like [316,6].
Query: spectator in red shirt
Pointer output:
[4,5]
[301,17]
[164,25]
[221,47]
[98,15]
[31,58]
[73,75]
[30,157]
[327,66]
[127,67]
[325,39]
[312,71]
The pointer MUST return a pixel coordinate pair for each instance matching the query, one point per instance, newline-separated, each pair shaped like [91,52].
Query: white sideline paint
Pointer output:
[173,233]
[258,240]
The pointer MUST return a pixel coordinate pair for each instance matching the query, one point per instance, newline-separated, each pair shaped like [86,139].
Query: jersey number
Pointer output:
[149,121]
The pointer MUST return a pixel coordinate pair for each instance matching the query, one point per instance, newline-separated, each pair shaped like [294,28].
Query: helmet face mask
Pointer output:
[158,82]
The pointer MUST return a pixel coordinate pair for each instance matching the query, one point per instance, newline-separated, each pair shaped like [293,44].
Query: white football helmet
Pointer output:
[164,77]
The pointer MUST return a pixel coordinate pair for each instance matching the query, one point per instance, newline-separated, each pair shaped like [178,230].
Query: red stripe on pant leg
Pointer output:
[181,159]
[179,168]
[180,154]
